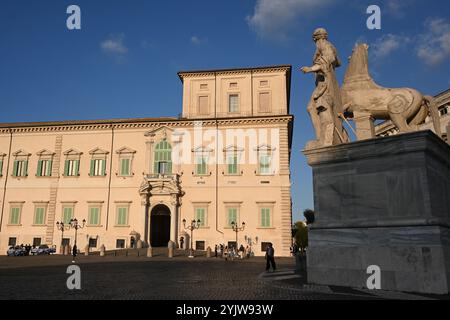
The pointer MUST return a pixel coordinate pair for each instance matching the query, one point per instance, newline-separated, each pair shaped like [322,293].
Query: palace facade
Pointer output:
[225,160]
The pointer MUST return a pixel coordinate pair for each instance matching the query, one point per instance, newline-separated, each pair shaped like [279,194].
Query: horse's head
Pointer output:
[358,62]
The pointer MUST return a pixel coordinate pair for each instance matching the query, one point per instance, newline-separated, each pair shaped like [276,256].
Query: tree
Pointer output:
[309,216]
[301,235]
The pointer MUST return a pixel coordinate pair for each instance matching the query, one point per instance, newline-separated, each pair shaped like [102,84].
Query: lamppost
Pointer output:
[74,224]
[194,225]
[61,227]
[236,229]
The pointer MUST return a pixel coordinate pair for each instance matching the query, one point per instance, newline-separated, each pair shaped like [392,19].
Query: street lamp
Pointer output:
[237,229]
[61,227]
[194,225]
[74,225]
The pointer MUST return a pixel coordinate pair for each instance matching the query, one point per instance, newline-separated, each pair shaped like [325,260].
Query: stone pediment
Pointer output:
[233,148]
[45,152]
[162,130]
[73,152]
[265,148]
[202,149]
[125,150]
[98,151]
[22,153]
[161,185]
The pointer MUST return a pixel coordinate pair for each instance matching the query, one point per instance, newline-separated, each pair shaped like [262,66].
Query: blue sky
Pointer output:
[124,60]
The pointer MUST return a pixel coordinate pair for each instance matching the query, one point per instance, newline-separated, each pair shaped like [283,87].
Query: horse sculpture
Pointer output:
[407,108]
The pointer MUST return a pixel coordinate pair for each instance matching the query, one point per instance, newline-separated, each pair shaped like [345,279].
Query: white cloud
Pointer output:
[197,40]
[275,18]
[434,45]
[397,8]
[387,44]
[114,45]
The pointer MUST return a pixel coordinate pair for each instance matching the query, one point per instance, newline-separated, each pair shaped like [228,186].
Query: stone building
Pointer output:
[225,160]
[387,128]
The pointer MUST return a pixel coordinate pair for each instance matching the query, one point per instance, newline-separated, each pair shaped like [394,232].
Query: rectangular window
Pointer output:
[233,103]
[200,214]
[12,242]
[37,242]
[164,167]
[67,215]
[201,165]
[264,102]
[92,242]
[20,168]
[264,246]
[203,107]
[200,245]
[65,242]
[72,168]
[264,164]
[122,216]
[232,216]
[14,217]
[125,167]
[265,218]
[203,86]
[94,216]
[232,163]
[44,168]
[39,216]
[98,168]
[120,244]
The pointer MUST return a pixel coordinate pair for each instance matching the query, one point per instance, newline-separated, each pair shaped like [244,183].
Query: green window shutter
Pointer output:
[104,167]
[15,215]
[122,216]
[39,216]
[94,216]
[25,168]
[265,217]
[77,167]
[49,168]
[125,167]
[169,167]
[15,168]
[66,168]
[232,216]
[39,169]
[200,214]
[67,216]
[91,170]
[1,168]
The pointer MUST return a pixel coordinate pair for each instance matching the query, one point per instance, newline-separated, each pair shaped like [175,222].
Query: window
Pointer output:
[44,168]
[65,242]
[201,165]
[264,102]
[122,216]
[264,246]
[203,86]
[200,245]
[20,168]
[94,216]
[203,105]
[12,242]
[37,242]
[265,221]
[98,168]
[200,214]
[264,163]
[120,244]
[232,216]
[67,215]
[72,168]
[443,111]
[233,85]
[233,103]
[1,167]
[125,167]
[92,242]
[232,163]
[263,83]
[14,217]
[163,158]
[39,216]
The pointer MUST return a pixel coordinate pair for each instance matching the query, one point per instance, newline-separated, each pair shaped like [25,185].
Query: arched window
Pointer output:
[163,158]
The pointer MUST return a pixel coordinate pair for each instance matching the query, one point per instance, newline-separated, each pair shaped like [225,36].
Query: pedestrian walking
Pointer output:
[215,251]
[270,257]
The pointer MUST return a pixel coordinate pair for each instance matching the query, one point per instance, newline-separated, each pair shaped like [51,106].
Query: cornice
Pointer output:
[151,125]
[206,73]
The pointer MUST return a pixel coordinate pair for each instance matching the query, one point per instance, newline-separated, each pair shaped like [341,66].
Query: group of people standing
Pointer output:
[223,251]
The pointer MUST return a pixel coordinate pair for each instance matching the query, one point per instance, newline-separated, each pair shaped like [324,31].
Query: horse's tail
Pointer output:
[434,112]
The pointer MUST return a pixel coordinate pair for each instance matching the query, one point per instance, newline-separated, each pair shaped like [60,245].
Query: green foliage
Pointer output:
[301,235]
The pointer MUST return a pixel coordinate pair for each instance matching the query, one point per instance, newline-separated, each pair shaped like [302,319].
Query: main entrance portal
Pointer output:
[160,226]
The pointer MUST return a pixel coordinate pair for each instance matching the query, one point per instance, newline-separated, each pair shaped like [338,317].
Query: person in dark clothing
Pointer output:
[74,252]
[215,251]
[270,257]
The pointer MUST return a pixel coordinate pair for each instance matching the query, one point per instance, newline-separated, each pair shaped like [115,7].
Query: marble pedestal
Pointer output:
[383,202]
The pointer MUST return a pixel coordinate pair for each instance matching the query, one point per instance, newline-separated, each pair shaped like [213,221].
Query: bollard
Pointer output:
[171,248]
[149,252]
[86,250]
[66,250]
[115,253]
[102,250]
[139,244]
[126,253]
[208,252]
[138,253]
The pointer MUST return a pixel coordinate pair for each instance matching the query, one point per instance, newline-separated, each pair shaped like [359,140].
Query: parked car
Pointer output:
[16,251]
[42,249]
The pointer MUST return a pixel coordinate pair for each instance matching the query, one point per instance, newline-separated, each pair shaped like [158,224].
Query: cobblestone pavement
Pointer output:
[180,278]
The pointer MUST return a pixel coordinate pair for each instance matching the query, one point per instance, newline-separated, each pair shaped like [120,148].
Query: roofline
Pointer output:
[13,125]
[180,73]
[442,93]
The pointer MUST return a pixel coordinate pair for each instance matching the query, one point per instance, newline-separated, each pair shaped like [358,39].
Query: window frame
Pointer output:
[125,153]
[238,102]
[44,207]
[122,205]
[19,206]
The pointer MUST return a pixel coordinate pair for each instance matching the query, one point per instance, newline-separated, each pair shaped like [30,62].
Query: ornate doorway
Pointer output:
[160,226]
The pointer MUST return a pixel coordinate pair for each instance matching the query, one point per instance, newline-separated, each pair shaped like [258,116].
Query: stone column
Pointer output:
[173,223]
[149,154]
[365,128]
[145,221]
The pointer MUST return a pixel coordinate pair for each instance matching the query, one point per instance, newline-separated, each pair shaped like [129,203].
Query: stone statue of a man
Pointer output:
[325,104]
